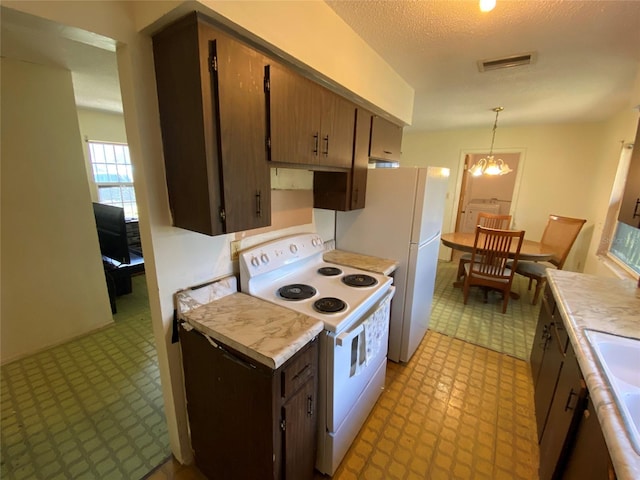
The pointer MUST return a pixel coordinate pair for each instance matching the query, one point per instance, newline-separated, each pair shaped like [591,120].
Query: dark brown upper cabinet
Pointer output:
[386,140]
[213,121]
[630,206]
[308,125]
[347,190]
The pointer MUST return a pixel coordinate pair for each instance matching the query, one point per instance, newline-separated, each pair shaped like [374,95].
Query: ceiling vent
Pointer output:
[507,62]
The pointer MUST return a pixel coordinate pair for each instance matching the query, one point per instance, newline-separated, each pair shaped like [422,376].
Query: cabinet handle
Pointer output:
[387,152]
[635,210]
[554,328]
[326,144]
[258,204]
[568,406]
[309,405]
[545,337]
[315,144]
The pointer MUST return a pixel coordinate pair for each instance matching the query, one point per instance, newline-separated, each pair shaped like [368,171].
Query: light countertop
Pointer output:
[267,333]
[608,305]
[383,266]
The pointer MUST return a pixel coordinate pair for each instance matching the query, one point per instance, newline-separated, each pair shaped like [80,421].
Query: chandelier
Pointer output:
[489,165]
[487,5]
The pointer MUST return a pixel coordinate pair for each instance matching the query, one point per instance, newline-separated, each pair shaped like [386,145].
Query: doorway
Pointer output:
[484,193]
[92,406]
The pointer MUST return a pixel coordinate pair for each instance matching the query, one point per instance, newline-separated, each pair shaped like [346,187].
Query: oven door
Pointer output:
[353,357]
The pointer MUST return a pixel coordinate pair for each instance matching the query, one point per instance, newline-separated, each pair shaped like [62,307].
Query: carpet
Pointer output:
[482,323]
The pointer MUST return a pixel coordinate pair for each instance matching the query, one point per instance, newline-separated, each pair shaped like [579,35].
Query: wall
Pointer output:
[566,169]
[176,258]
[99,126]
[53,285]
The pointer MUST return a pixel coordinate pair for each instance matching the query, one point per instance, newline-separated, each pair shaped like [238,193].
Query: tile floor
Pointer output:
[88,409]
[455,411]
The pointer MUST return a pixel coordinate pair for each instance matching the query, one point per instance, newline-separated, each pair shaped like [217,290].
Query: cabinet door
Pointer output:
[229,406]
[337,130]
[294,112]
[565,411]
[360,159]
[548,378]
[346,190]
[238,83]
[300,420]
[386,139]
[589,457]
[540,343]
[212,115]
[188,133]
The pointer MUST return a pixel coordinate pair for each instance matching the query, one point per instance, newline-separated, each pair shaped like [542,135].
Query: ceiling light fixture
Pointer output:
[488,165]
[487,5]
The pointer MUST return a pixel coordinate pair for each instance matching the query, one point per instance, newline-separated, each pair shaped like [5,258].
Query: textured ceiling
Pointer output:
[588,57]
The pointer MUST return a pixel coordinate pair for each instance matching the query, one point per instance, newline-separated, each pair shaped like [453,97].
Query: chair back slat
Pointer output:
[494,220]
[488,268]
[491,252]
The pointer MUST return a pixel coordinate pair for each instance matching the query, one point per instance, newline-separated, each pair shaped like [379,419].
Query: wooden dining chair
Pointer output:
[560,234]
[489,259]
[485,219]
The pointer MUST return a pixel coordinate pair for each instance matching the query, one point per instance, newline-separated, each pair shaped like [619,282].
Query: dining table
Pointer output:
[530,249]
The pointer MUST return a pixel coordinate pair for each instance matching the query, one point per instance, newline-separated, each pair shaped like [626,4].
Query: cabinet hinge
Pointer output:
[213,63]
[268,142]
[267,84]
[223,215]
[283,424]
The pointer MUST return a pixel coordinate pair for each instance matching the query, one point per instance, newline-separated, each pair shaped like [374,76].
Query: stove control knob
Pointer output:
[265,258]
[315,241]
[293,247]
[255,262]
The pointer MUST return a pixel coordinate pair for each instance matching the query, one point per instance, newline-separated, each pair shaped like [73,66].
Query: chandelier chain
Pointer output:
[495,127]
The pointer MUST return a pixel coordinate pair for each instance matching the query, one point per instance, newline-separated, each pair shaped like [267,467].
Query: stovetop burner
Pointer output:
[296,291]
[329,271]
[329,305]
[359,280]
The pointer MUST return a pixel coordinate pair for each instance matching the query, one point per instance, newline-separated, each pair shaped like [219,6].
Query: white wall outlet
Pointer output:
[235,248]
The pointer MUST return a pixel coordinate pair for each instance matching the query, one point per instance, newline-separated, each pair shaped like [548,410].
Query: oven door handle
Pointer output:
[345,337]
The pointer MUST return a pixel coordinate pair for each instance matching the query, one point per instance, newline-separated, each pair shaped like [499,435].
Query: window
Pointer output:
[113,175]
[621,234]
[625,246]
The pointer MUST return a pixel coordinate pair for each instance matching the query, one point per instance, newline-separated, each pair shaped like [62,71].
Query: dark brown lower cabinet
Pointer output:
[571,442]
[248,421]
[547,356]
[564,414]
[589,457]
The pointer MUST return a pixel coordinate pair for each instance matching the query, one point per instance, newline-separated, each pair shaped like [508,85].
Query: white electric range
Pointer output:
[353,305]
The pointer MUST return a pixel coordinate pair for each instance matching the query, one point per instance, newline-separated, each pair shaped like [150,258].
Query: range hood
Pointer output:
[382,163]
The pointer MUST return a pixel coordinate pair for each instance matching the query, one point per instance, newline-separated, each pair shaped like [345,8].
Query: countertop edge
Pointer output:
[273,361]
[623,456]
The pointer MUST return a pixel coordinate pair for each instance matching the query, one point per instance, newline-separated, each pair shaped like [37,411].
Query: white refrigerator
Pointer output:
[402,220]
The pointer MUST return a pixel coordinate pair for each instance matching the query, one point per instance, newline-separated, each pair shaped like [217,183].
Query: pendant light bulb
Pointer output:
[487,5]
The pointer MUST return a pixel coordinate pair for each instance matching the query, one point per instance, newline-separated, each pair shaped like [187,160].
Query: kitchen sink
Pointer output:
[620,360]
